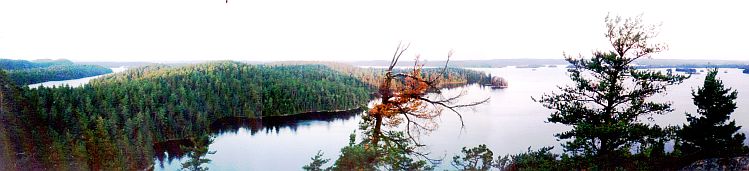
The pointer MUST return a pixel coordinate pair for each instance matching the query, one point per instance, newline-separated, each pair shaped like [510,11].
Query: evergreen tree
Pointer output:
[317,162]
[394,153]
[709,134]
[476,158]
[609,96]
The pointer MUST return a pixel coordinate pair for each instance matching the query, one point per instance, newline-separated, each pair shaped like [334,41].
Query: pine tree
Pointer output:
[609,96]
[476,158]
[317,163]
[709,134]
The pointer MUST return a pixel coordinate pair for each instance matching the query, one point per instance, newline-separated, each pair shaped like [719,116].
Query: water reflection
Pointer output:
[197,155]
[175,154]
[275,123]
[75,82]
[509,123]
[170,150]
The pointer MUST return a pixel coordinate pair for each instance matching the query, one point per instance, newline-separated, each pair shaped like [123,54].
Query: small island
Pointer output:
[687,70]
[499,82]
[495,82]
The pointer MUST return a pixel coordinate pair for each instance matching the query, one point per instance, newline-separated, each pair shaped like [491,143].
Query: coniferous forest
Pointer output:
[318,85]
[114,121]
[23,72]
[125,120]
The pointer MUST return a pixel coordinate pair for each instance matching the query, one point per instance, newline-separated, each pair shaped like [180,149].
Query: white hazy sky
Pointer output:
[346,30]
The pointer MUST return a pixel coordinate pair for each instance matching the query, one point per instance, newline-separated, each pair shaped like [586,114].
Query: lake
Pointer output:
[509,123]
[74,82]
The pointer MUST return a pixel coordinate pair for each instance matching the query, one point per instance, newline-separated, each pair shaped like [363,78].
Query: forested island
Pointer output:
[124,120]
[10,64]
[23,72]
[416,85]
[685,70]
[450,75]
[114,121]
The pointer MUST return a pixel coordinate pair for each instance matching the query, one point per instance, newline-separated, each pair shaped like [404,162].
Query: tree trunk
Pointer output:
[386,94]
[376,133]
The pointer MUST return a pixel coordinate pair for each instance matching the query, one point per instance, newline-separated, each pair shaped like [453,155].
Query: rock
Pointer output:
[717,164]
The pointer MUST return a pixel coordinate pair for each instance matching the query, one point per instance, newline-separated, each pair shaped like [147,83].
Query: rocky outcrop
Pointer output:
[718,164]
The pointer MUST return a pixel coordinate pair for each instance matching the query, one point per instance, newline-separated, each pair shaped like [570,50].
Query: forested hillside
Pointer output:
[373,76]
[8,109]
[23,72]
[245,90]
[10,64]
[56,73]
[114,121]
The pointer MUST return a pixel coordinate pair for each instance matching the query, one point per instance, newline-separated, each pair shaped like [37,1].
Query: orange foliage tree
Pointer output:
[409,97]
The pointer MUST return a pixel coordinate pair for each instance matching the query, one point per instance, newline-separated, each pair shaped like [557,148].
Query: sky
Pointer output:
[346,30]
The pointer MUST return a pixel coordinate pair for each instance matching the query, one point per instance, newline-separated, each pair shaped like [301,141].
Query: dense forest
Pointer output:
[10,64]
[113,121]
[112,117]
[23,72]
[56,73]
[449,76]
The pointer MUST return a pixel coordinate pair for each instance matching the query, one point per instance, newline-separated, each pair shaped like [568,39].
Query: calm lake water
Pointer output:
[75,82]
[510,123]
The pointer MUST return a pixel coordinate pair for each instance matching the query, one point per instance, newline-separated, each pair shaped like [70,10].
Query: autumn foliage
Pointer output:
[406,98]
